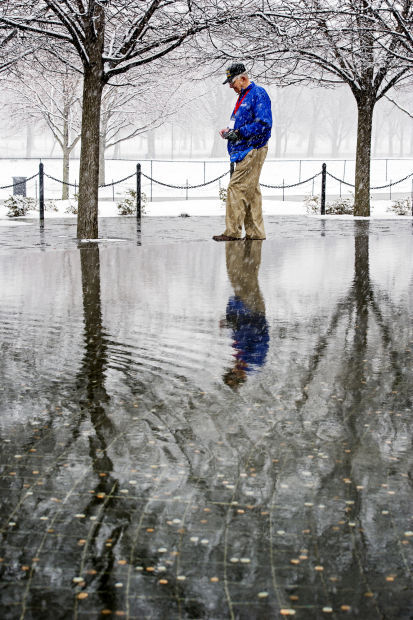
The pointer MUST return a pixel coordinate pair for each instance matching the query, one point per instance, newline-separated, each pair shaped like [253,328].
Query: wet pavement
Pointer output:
[201,430]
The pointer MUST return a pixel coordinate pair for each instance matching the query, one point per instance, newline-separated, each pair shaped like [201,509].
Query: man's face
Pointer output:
[236,84]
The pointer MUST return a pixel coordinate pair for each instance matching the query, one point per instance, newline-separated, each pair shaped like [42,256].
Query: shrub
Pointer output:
[403,206]
[19,205]
[71,208]
[312,204]
[128,205]
[340,206]
[50,205]
[223,194]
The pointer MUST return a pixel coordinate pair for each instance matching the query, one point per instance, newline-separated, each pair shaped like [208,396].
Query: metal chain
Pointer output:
[25,181]
[185,186]
[395,182]
[210,182]
[105,185]
[377,186]
[120,180]
[340,180]
[294,184]
[59,181]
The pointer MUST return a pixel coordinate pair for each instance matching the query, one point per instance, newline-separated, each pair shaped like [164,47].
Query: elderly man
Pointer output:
[247,134]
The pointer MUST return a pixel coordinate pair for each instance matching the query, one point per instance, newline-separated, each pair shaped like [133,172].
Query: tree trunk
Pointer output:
[278,138]
[365,107]
[87,221]
[116,151]
[313,129]
[390,137]
[66,153]
[65,188]
[401,137]
[93,82]
[151,144]
[29,140]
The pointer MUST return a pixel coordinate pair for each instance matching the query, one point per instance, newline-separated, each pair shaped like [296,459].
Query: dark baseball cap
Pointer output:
[233,71]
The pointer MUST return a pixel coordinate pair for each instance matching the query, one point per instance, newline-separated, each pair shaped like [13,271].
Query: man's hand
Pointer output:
[230,134]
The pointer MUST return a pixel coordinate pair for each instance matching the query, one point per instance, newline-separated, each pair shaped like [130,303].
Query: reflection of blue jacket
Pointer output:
[250,333]
[253,120]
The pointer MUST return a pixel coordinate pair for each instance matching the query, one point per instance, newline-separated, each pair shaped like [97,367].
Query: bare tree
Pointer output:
[331,43]
[51,96]
[110,39]
[395,17]
[140,107]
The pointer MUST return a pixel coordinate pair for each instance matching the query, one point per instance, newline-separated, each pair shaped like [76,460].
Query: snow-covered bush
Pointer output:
[127,206]
[71,208]
[50,205]
[403,206]
[340,206]
[223,194]
[312,204]
[19,205]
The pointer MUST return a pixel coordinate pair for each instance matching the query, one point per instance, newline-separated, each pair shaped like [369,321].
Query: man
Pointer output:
[247,134]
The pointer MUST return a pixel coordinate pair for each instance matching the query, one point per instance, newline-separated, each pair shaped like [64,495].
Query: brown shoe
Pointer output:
[253,238]
[225,238]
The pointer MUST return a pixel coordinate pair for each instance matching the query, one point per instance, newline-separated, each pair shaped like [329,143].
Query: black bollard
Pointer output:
[138,192]
[323,189]
[41,193]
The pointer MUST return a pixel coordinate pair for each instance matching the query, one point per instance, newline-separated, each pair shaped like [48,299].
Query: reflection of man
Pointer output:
[245,313]
[247,133]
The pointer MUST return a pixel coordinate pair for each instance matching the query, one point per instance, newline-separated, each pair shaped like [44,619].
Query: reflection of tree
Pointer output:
[366,369]
[91,382]
[245,313]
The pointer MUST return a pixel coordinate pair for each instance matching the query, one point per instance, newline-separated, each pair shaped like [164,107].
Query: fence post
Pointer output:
[323,188]
[138,192]
[390,190]
[41,193]
[231,169]
[186,190]
[283,190]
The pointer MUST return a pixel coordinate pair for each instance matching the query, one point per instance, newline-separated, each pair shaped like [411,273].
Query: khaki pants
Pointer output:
[244,201]
[243,265]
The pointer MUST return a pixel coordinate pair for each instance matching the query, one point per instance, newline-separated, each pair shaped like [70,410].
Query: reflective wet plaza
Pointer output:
[195,430]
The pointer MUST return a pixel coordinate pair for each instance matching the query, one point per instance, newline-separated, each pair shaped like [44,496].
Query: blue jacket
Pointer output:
[253,120]
[250,333]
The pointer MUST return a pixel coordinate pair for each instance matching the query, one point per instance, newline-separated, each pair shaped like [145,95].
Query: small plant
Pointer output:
[340,206]
[127,206]
[223,194]
[71,208]
[19,206]
[312,204]
[50,205]
[403,206]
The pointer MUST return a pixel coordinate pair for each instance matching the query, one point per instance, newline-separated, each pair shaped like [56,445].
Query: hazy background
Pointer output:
[308,122]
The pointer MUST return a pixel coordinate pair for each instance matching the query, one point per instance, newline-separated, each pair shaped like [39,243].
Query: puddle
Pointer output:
[204,430]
